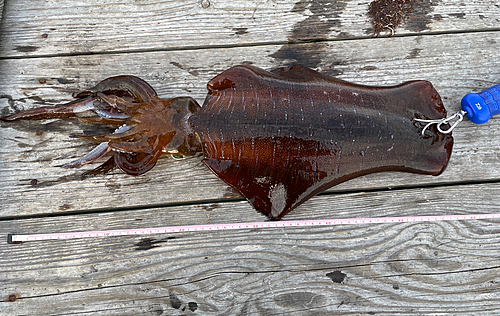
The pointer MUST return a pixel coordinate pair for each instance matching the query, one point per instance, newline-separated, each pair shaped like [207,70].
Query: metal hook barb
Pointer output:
[459,116]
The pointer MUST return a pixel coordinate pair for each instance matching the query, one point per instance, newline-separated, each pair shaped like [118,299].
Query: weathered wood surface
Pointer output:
[33,28]
[50,49]
[413,269]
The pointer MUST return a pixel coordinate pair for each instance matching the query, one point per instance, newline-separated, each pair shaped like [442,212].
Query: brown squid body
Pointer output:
[277,137]
[281,137]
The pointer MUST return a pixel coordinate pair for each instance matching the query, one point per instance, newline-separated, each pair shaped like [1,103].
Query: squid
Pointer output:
[278,137]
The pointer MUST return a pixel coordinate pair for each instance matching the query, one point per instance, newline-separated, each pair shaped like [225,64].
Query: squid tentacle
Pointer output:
[132,86]
[137,146]
[148,124]
[107,114]
[101,120]
[125,106]
[65,110]
[96,153]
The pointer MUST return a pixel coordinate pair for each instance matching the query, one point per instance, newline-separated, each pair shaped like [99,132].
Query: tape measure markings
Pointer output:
[20,238]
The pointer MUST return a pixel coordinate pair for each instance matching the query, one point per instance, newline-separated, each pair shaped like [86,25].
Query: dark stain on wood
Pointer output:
[36,99]
[316,27]
[64,81]
[240,30]
[309,54]
[180,66]
[10,101]
[324,16]
[26,49]
[113,186]
[437,17]
[58,181]
[332,69]
[414,53]
[336,276]
[12,297]
[420,18]
[175,302]
[156,309]
[460,15]
[193,306]
[150,243]
[146,244]
[210,207]
[369,68]
[29,127]
[176,64]
[65,207]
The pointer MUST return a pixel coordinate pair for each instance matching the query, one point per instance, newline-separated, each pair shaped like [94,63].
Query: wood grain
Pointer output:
[30,28]
[418,268]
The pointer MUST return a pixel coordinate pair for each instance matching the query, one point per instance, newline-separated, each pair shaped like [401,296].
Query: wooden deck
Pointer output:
[49,49]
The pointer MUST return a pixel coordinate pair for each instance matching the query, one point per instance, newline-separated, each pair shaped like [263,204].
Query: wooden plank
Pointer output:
[389,269]
[32,183]
[31,28]
[1,10]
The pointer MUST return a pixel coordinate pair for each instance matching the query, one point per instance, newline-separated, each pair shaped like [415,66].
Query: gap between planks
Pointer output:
[243,45]
[212,202]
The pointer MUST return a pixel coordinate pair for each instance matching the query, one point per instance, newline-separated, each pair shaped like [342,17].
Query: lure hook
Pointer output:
[459,117]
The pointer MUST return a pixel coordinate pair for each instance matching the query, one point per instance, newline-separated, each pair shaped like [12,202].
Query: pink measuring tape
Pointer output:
[19,238]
